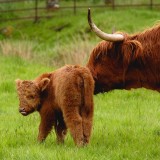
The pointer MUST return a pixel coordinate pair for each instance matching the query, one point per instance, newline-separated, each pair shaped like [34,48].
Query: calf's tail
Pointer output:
[87,109]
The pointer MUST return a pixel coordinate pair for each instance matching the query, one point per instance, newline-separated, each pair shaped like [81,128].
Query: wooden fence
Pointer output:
[74,5]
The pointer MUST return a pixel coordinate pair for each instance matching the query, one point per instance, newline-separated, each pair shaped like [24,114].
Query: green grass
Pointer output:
[126,123]
[44,32]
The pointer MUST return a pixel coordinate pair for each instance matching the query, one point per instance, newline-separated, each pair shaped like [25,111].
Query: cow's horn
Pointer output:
[101,34]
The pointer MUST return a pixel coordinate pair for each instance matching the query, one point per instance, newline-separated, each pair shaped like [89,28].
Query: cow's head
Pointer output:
[111,58]
[29,93]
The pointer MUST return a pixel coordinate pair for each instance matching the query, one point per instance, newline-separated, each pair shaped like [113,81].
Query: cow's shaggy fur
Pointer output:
[64,99]
[131,63]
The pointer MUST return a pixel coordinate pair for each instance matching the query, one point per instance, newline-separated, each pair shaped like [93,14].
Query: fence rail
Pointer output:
[35,9]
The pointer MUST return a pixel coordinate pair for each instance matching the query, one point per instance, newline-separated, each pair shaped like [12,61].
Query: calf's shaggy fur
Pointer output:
[64,99]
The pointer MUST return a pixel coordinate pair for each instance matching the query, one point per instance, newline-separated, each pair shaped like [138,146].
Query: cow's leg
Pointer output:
[74,123]
[87,120]
[60,128]
[47,122]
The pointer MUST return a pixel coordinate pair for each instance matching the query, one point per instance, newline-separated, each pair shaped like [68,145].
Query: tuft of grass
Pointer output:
[76,52]
[23,49]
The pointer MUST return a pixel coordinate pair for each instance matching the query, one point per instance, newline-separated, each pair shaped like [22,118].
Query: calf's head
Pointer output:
[29,94]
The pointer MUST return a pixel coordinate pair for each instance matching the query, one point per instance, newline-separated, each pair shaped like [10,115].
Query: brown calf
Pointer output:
[64,99]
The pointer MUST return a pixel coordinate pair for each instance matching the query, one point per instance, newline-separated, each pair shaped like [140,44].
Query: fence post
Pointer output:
[36,11]
[151,4]
[74,6]
[113,5]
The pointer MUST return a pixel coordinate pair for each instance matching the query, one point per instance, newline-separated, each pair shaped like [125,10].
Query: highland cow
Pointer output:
[64,99]
[123,61]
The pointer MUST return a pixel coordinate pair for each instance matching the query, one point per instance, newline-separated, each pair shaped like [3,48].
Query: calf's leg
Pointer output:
[74,123]
[60,127]
[87,118]
[47,122]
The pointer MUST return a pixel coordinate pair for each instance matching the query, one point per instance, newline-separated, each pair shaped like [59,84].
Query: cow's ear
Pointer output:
[131,49]
[44,83]
[18,82]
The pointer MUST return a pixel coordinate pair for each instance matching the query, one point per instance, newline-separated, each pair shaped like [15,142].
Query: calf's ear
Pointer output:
[18,82]
[44,83]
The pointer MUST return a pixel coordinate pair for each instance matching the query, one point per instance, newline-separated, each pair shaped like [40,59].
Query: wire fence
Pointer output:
[37,9]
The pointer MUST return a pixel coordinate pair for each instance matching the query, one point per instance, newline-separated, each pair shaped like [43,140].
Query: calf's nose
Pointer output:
[21,109]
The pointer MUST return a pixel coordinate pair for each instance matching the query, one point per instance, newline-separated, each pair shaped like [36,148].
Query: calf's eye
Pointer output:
[30,97]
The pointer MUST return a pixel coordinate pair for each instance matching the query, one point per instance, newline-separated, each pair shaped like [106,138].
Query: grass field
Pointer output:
[126,123]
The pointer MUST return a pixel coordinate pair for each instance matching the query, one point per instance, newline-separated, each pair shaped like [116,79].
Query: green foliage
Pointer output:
[53,37]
